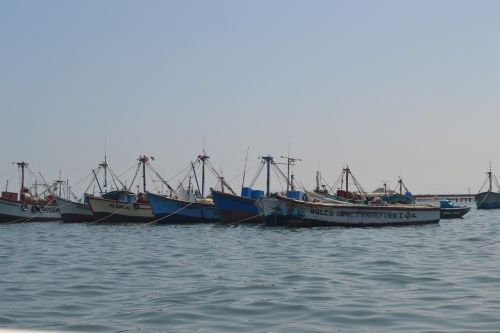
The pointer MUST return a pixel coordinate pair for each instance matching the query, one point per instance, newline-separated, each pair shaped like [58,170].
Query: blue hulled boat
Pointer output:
[188,206]
[236,209]
[171,210]
[451,211]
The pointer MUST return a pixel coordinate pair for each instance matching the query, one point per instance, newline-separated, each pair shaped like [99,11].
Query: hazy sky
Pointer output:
[385,86]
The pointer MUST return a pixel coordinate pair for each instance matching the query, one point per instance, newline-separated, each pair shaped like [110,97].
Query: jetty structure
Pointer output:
[27,206]
[488,199]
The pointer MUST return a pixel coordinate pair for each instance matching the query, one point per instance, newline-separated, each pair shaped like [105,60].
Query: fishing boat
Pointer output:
[237,208]
[124,206]
[78,209]
[280,210]
[488,199]
[120,207]
[189,206]
[241,208]
[451,211]
[397,196]
[25,206]
[73,211]
[342,194]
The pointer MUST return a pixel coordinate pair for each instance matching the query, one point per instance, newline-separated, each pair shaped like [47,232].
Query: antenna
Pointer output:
[245,168]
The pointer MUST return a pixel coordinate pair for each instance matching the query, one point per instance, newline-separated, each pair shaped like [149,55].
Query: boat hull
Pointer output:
[74,212]
[290,212]
[235,209]
[453,213]
[15,211]
[169,210]
[114,211]
[487,200]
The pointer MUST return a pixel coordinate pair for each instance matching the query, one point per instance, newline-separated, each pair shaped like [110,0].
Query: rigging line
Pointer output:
[245,168]
[338,182]
[9,172]
[115,178]
[485,181]
[248,169]
[257,173]
[180,172]
[278,178]
[13,175]
[281,172]
[152,180]
[192,170]
[196,178]
[220,177]
[326,183]
[93,179]
[301,185]
[135,175]
[160,177]
[358,186]
[479,204]
[124,172]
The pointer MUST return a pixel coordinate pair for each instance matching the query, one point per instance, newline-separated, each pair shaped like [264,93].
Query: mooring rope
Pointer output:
[167,216]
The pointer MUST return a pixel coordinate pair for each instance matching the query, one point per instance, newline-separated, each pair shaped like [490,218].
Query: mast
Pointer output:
[105,165]
[22,165]
[143,159]
[269,160]
[290,162]
[318,176]
[203,159]
[346,170]
[489,178]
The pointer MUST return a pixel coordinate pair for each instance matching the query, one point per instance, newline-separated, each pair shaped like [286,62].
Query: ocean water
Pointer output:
[212,278]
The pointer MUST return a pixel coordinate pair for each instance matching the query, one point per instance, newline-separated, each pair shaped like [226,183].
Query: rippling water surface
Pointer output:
[212,278]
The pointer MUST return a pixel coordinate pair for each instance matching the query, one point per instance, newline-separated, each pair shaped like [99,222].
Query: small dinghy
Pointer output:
[451,211]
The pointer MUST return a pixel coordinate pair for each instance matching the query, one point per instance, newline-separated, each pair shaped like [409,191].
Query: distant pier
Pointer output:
[453,197]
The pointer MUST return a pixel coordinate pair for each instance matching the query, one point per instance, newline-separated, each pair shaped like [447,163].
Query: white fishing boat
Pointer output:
[27,207]
[120,207]
[73,211]
[279,210]
[124,206]
[78,209]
